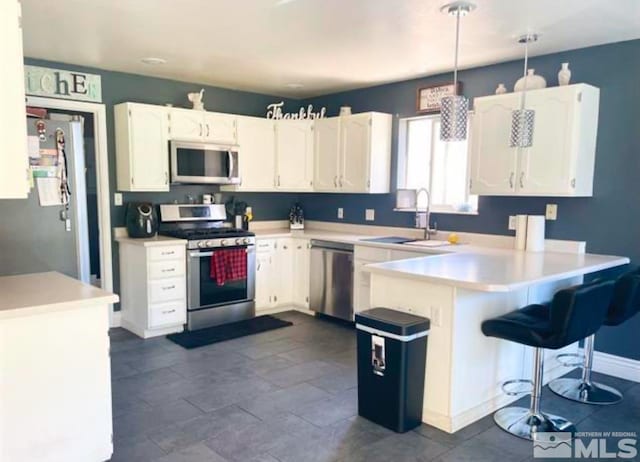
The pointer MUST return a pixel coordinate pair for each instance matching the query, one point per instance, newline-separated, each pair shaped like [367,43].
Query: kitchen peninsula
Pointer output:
[459,290]
[55,392]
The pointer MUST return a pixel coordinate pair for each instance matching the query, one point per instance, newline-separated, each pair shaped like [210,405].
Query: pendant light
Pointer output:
[523,120]
[454,109]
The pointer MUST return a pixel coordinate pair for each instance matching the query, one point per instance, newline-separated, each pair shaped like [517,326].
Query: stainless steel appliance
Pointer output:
[203,163]
[208,303]
[331,289]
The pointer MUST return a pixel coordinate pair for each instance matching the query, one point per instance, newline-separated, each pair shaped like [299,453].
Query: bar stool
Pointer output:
[573,314]
[624,305]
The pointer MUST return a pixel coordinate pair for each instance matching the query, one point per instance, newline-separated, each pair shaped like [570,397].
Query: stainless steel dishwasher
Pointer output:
[331,289]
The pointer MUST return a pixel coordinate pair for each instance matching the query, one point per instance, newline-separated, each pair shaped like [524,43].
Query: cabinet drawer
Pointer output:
[167,314]
[373,254]
[173,252]
[265,245]
[164,290]
[165,269]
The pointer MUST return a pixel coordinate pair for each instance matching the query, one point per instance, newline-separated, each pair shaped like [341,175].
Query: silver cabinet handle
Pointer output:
[259,266]
[166,177]
[522,180]
[335,181]
[511,180]
[299,247]
[171,252]
[168,270]
[340,181]
[200,130]
[278,180]
[169,311]
[169,287]
[208,130]
[285,247]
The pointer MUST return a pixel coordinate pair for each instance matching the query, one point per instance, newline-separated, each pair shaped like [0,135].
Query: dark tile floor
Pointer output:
[290,395]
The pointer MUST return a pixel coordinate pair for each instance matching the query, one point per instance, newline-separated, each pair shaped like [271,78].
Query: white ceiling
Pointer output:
[326,45]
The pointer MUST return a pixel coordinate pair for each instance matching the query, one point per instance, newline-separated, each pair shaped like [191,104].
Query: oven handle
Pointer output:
[200,254]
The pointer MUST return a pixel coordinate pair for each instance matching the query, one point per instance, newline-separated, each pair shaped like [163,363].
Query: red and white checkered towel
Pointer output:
[229,265]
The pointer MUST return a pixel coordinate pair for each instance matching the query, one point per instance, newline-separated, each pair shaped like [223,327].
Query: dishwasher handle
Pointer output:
[330,245]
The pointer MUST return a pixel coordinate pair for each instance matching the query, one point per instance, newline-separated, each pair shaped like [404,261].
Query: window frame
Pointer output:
[403,161]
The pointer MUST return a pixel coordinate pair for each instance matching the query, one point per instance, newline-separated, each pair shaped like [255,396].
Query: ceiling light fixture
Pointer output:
[153,61]
[454,108]
[523,120]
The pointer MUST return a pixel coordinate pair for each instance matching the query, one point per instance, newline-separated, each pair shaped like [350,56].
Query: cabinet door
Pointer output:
[301,269]
[548,166]
[220,128]
[264,272]
[327,153]
[355,153]
[294,155]
[493,162]
[283,269]
[148,147]
[256,138]
[186,124]
[14,181]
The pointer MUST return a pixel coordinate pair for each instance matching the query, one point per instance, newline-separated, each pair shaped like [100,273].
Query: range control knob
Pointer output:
[224,242]
[202,244]
[210,243]
[246,240]
[239,241]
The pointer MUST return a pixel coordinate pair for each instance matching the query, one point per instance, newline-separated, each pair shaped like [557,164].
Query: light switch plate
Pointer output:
[340,213]
[117,199]
[512,222]
[370,214]
[552,212]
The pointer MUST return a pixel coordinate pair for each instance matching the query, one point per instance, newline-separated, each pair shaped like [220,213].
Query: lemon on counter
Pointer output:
[453,238]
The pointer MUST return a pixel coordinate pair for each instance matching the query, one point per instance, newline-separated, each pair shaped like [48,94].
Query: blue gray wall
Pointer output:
[609,221]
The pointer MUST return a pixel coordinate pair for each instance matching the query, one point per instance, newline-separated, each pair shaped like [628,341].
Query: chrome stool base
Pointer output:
[521,422]
[588,393]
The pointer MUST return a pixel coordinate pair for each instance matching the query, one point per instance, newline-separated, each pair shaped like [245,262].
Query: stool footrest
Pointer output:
[565,359]
[517,387]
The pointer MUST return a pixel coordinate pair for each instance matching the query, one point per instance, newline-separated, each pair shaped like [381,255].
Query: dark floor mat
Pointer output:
[202,337]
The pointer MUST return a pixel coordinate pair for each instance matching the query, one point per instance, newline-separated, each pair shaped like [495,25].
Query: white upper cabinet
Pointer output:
[560,161]
[353,153]
[14,175]
[327,154]
[192,125]
[256,138]
[142,152]
[294,155]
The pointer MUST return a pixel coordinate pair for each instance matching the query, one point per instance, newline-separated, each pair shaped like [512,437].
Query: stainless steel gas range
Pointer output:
[210,302]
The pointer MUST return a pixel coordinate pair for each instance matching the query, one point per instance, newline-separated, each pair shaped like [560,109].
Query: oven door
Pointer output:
[204,163]
[204,292]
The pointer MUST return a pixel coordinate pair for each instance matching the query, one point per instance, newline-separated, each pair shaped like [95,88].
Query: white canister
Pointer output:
[207,199]
[535,233]
[345,111]
[521,232]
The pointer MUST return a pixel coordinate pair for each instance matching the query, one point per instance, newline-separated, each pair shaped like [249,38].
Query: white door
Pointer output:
[301,269]
[256,138]
[493,162]
[548,166]
[220,128]
[294,155]
[355,153]
[14,180]
[327,153]
[264,292]
[186,124]
[149,136]
[283,267]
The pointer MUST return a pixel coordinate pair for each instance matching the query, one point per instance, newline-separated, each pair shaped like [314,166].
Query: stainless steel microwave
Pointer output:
[202,163]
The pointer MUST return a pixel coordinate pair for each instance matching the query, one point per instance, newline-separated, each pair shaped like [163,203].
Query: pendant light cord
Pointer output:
[455,64]
[526,65]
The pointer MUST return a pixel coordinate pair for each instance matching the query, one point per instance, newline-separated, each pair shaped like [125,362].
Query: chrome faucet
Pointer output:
[426,215]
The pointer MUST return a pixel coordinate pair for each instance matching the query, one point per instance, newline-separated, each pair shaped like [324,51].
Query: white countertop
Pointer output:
[158,240]
[31,294]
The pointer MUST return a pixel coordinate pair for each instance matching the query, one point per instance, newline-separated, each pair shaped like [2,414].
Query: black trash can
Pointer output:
[392,351]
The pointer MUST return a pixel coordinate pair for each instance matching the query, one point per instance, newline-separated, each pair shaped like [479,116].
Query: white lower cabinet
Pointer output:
[282,273]
[153,287]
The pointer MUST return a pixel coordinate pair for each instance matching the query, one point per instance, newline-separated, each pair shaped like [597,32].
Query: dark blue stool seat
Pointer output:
[624,305]
[573,314]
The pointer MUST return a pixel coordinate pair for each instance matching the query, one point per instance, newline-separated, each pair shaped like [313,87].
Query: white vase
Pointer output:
[534,82]
[501,90]
[564,76]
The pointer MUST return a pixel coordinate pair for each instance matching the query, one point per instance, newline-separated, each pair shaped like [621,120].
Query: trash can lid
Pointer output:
[392,321]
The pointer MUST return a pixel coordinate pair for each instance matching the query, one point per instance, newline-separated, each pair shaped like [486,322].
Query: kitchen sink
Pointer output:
[388,240]
[429,243]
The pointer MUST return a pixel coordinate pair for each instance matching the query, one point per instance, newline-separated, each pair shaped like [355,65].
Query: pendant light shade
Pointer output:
[454,109]
[523,120]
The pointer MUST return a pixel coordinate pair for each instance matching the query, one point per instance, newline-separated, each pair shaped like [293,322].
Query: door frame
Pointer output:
[102,179]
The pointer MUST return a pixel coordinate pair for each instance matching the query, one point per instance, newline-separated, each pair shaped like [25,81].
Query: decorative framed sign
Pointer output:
[428,98]
[58,83]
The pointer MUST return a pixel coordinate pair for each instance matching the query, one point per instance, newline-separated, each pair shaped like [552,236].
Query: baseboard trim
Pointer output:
[116,319]
[616,366]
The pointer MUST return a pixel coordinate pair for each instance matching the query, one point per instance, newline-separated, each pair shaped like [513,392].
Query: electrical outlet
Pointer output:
[512,222]
[117,199]
[552,212]
[340,213]
[370,214]
[436,316]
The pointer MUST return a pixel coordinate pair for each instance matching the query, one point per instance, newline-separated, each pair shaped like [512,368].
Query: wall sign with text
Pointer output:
[428,99]
[58,83]
[274,111]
